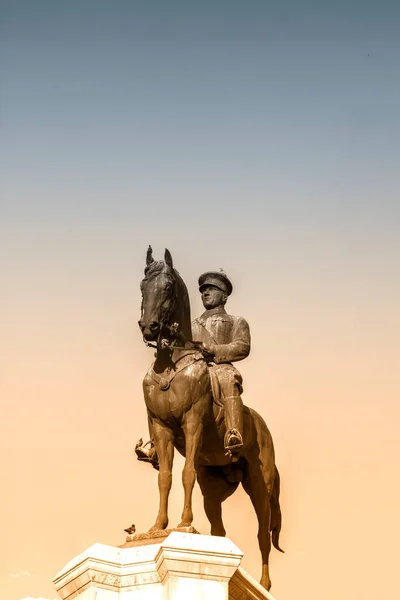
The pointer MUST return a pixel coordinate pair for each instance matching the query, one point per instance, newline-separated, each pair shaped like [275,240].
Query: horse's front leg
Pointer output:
[193,430]
[163,442]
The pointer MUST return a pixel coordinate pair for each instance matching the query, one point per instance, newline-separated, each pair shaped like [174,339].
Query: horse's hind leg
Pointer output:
[215,489]
[254,484]
[163,441]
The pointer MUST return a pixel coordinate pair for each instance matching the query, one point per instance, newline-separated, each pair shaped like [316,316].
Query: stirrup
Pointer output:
[230,447]
[147,453]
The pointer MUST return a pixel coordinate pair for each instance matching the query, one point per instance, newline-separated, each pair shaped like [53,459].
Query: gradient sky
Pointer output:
[260,137]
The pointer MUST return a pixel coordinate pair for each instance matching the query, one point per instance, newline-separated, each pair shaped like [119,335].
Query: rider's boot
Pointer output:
[233,440]
[147,453]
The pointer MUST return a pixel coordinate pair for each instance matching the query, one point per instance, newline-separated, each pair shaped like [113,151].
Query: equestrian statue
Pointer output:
[193,393]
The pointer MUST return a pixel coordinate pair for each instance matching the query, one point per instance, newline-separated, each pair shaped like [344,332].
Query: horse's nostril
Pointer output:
[153,326]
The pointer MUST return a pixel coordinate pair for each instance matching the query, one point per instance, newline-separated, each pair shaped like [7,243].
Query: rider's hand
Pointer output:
[208,352]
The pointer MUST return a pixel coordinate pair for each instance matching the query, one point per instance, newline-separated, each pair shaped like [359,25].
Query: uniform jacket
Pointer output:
[229,336]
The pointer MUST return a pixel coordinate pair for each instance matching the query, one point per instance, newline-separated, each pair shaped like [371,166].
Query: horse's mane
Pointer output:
[153,269]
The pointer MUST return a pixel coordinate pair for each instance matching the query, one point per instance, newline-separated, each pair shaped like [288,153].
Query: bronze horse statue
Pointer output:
[183,415]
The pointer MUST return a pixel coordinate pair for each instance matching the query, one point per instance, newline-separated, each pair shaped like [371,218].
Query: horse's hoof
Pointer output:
[158,527]
[156,530]
[218,532]
[266,583]
[184,524]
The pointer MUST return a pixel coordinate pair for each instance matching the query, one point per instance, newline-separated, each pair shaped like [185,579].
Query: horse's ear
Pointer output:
[149,256]
[168,258]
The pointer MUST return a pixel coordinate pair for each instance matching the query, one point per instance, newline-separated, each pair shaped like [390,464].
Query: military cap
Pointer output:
[218,279]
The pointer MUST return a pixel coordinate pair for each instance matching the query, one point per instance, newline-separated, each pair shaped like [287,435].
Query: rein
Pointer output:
[163,344]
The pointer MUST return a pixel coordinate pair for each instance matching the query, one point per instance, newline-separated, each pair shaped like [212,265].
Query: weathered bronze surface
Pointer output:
[225,339]
[153,537]
[193,398]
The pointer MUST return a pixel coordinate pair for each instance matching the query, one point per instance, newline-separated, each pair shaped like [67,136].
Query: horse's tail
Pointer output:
[276,515]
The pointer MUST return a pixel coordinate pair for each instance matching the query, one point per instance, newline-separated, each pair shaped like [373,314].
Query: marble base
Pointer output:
[182,566]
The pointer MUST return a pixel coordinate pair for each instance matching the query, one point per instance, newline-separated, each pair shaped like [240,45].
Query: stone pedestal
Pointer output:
[184,566]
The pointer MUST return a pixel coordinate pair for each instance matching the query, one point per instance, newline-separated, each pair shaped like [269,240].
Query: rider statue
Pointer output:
[224,339]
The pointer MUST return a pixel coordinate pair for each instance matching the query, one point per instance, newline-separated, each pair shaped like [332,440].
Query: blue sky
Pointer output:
[109,109]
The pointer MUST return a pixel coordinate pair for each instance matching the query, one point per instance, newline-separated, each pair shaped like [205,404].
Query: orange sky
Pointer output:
[323,372]
[265,141]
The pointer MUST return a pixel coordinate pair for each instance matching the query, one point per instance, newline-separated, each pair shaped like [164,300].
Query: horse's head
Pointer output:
[160,296]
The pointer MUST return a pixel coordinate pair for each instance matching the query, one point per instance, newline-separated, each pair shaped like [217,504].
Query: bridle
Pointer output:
[169,334]
[163,343]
